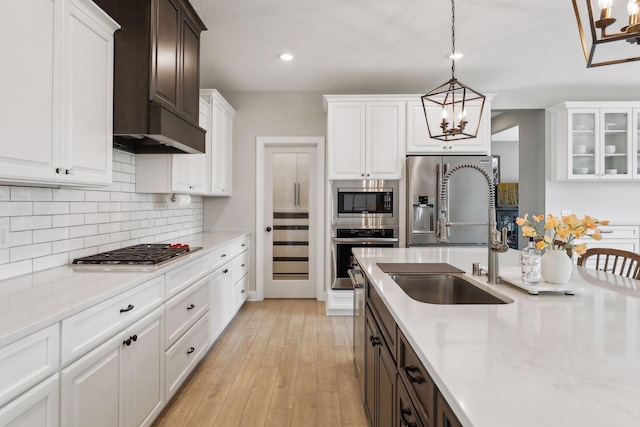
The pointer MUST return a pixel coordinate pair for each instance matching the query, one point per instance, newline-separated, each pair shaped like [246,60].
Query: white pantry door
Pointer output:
[290,218]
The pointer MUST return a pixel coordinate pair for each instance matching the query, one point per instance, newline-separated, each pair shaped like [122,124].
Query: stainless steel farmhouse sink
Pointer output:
[446,289]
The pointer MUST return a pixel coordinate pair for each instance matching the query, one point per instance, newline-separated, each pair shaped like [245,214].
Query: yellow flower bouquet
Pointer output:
[565,229]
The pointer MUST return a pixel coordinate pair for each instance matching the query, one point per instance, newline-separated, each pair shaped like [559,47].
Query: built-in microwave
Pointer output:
[356,202]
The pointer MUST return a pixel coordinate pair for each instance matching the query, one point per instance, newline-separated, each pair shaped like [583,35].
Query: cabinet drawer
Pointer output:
[31,359]
[182,357]
[37,407]
[181,277]
[384,318]
[417,380]
[240,292]
[184,309]
[405,410]
[241,245]
[240,266]
[88,328]
[221,256]
[618,232]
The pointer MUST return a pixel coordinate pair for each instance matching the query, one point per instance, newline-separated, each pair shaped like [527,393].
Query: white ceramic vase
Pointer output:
[556,266]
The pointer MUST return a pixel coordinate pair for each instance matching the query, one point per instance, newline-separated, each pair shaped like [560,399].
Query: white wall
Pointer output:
[50,227]
[259,114]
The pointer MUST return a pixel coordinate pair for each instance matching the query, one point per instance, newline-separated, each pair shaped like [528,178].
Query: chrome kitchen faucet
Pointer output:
[495,245]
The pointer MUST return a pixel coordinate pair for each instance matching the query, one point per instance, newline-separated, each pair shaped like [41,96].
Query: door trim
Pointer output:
[262,142]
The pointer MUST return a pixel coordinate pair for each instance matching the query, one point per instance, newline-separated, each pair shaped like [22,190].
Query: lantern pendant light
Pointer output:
[603,47]
[453,110]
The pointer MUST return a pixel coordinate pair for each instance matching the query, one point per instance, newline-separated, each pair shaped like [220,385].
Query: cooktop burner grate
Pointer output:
[143,254]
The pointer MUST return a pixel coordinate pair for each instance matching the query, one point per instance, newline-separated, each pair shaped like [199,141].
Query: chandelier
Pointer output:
[612,48]
[453,110]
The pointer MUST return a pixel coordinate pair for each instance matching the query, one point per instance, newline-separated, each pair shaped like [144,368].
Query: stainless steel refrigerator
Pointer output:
[467,198]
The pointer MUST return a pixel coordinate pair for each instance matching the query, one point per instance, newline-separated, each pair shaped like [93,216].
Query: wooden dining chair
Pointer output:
[616,261]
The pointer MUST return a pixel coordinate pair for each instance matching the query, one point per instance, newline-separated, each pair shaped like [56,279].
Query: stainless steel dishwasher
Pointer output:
[358,282]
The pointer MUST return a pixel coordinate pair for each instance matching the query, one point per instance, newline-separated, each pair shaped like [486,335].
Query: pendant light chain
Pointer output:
[453,39]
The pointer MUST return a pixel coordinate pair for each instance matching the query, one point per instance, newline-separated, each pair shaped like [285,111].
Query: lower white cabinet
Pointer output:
[239,292]
[118,383]
[183,356]
[38,407]
[624,237]
[219,297]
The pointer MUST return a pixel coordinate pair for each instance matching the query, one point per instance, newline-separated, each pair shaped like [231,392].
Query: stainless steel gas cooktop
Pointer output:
[137,255]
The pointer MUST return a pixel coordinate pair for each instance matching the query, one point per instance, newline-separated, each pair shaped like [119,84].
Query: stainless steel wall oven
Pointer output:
[365,215]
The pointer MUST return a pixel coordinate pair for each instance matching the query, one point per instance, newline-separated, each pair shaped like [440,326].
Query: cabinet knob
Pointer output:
[242,292]
[69,172]
[268,229]
[361,174]
[134,338]
[58,170]
[127,341]
[225,271]
[368,174]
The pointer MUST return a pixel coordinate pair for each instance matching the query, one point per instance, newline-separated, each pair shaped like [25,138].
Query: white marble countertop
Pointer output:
[34,301]
[546,360]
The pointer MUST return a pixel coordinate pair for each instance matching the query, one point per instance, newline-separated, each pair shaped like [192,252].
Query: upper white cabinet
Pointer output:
[419,142]
[219,142]
[56,110]
[594,141]
[170,173]
[366,137]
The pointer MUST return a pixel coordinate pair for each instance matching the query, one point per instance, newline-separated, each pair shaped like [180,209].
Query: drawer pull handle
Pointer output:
[129,308]
[191,350]
[191,307]
[409,370]
[242,291]
[242,245]
[241,265]
[375,341]
[223,255]
[407,411]
[225,271]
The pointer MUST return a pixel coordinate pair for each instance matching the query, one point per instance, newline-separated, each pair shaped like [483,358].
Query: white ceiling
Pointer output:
[528,53]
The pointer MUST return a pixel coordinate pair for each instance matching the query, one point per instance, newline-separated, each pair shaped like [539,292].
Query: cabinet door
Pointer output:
[144,368]
[87,136]
[615,151]
[220,155]
[583,144]
[370,367]
[418,140]
[386,387]
[91,392]
[38,407]
[635,131]
[346,140]
[29,151]
[444,415]
[189,72]
[481,144]
[181,173]
[219,308]
[385,140]
[165,51]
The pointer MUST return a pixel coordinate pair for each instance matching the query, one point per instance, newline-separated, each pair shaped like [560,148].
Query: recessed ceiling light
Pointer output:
[286,56]
[456,55]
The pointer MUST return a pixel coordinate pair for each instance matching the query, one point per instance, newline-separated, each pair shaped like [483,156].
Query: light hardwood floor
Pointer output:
[279,363]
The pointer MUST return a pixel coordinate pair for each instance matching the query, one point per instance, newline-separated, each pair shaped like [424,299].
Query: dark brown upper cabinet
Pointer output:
[156,76]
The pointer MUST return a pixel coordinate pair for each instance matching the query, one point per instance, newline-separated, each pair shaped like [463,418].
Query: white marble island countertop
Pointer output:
[545,360]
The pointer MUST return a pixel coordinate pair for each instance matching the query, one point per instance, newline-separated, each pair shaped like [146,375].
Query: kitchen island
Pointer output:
[545,360]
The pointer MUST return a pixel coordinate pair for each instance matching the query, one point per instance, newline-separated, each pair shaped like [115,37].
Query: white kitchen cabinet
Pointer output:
[636,143]
[366,138]
[38,407]
[240,293]
[65,85]
[419,141]
[119,383]
[220,308]
[170,173]
[219,142]
[625,237]
[594,141]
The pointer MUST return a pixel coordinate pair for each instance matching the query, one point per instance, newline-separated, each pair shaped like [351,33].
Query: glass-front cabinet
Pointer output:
[595,141]
[636,143]
[600,143]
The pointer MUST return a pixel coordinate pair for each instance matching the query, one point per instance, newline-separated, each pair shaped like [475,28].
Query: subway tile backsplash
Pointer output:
[50,227]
